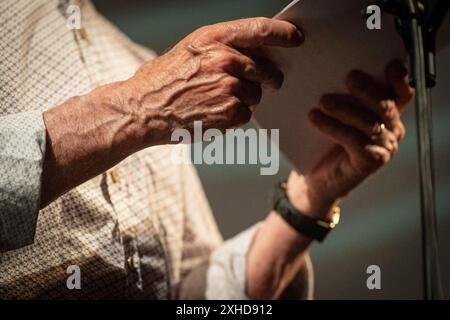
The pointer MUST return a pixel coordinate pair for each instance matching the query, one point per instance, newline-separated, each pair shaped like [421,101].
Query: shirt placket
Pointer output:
[118,195]
[115,183]
[146,259]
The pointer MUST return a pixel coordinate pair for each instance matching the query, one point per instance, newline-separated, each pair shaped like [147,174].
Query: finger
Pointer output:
[397,78]
[249,93]
[257,69]
[349,138]
[387,140]
[352,141]
[380,154]
[374,97]
[256,32]
[347,110]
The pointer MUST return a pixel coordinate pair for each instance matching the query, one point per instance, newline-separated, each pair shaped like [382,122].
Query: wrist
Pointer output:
[117,125]
[305,198]
[153,122]
[145,123]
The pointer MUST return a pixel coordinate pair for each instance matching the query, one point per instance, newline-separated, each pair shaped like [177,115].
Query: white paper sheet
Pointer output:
[337,41]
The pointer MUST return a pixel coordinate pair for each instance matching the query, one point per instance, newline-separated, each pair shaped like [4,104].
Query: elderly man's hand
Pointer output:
[213,75]
[366,127]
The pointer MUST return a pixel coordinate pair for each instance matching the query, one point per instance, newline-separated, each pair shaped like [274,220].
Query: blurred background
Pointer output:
[381,220]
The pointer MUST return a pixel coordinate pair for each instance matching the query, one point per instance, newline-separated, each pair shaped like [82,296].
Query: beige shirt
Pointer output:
[144,230]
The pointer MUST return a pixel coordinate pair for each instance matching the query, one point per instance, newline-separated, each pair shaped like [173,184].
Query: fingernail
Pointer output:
[300,33]
[299,38]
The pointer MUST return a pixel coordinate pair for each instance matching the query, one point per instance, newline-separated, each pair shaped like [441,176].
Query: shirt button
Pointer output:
[114,176]
[83,33]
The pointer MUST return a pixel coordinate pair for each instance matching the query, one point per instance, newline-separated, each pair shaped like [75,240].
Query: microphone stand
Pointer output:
[418,23]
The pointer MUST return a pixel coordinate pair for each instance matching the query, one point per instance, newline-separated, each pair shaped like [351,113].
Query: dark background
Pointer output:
[381,220]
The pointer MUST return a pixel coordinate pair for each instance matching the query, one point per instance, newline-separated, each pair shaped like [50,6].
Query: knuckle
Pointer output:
[250,65]
[224,61]
[380,160]
[204,35]
[204,31]
[232,106]
[229,108]
[231,84]
[389,108]
[262,25]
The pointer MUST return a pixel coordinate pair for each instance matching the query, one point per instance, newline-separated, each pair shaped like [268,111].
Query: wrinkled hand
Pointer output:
[366,127]
[213,75]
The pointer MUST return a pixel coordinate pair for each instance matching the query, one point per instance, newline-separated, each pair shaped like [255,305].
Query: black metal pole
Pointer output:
[418,23]
[432,286]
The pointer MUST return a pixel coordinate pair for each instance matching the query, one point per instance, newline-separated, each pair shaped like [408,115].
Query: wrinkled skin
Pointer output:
[211,76]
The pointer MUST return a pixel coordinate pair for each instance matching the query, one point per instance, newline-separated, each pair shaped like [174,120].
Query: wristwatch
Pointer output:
[314,228]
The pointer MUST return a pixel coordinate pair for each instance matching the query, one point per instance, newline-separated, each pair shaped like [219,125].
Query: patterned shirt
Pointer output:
[142,230]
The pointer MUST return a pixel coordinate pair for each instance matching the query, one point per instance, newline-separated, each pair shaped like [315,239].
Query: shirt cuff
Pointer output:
[22,152]
[226,274]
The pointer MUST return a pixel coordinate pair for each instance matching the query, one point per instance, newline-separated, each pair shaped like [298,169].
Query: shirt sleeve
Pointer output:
[213,269]
[223,275]
[226,275]
[22,151]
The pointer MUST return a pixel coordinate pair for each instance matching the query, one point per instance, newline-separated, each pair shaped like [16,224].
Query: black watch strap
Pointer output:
[314,228]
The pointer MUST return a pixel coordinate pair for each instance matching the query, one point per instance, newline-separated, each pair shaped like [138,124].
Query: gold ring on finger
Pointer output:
[378,128]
